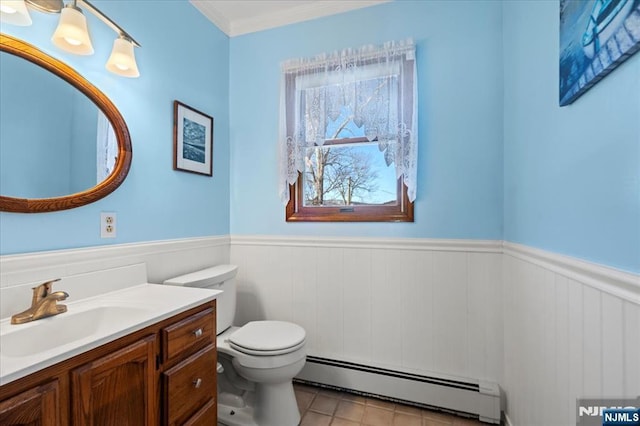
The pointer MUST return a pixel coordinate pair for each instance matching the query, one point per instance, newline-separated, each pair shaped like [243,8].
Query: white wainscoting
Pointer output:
[419,306]
[548,328]
[571,330]
[164,259]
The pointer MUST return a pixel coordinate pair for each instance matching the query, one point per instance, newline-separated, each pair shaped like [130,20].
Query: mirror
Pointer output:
[63,143]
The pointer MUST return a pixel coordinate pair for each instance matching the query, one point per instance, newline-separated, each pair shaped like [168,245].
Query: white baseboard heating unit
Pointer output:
[475,399]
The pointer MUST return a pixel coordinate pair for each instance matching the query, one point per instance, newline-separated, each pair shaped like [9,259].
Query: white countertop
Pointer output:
[89,323]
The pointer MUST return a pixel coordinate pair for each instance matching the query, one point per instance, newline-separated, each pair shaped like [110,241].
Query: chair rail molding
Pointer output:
[432,244]
[164,258]
[624,285]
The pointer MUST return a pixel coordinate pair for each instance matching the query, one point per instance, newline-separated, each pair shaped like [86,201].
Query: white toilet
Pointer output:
[256,362]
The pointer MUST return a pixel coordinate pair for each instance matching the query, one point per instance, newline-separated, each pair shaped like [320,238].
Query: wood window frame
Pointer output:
[296,211]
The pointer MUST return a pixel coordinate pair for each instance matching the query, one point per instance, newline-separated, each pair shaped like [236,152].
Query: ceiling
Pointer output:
[236,17]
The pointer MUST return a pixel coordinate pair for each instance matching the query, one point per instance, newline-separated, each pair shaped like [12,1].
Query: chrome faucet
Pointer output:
[43,304]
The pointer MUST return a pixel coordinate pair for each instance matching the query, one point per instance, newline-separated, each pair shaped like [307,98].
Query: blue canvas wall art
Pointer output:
[595,37]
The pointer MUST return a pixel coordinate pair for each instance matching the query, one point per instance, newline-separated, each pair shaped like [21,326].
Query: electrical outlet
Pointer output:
[107,225]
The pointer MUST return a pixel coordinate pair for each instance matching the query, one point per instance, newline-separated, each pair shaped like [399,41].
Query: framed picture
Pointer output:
[595,37]
[192,140]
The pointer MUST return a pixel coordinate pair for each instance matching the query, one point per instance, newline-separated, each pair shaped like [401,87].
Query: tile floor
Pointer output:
[324,407]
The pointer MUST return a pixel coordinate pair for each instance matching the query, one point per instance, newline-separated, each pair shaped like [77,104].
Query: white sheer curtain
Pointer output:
[374,85]
[107,145]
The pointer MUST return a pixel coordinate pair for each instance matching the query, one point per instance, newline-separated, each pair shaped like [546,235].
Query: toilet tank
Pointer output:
[220,277]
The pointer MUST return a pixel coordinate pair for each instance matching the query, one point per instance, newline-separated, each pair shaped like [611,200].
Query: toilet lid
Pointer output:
[268,337]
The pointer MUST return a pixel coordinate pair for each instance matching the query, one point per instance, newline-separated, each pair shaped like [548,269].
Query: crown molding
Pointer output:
[292,15]
[212,14]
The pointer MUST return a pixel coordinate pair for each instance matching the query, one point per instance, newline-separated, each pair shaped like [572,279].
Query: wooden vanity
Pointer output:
[163,374]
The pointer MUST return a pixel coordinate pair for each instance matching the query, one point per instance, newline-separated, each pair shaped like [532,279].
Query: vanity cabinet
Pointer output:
[164,374]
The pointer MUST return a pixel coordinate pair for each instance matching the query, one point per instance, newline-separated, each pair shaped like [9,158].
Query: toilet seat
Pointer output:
[267,338]
[257,361]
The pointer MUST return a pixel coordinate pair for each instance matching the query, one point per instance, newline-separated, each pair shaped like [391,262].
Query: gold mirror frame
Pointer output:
[123,162]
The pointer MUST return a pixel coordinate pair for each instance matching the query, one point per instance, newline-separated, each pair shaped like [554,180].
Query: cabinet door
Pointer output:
[38,406]
[118,389]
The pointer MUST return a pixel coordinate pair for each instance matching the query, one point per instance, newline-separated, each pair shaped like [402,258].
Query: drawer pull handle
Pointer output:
[198,333]
[197,382]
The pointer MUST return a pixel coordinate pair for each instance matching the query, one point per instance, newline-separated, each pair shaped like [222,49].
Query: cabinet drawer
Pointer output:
[205,415]
[191,333]
[190,385]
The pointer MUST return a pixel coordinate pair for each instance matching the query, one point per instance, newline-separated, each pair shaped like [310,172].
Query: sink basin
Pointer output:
[52,332]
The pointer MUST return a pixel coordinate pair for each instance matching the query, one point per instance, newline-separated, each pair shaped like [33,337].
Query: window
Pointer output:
[348,136]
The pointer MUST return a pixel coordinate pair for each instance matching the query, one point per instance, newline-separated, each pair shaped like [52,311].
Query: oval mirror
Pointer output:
[63,143]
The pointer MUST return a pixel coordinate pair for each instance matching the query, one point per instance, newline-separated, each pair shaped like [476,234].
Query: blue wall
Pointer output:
[29,97]
[498,158]
[571,174]
[459,51]
[183,57]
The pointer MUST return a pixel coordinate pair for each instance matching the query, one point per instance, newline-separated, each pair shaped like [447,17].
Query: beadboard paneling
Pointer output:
[412,305]
[569,332]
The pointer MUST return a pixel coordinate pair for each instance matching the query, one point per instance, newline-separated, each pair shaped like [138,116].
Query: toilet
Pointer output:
[256,362]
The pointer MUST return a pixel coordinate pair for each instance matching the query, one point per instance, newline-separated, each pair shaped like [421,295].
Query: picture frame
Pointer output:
[596,36]
[192,140]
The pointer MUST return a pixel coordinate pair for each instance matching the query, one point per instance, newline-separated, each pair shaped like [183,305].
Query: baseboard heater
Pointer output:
[472,399]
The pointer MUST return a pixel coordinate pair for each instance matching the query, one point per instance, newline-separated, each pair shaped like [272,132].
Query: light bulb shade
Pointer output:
[122,60]
[14,12]
[72,34]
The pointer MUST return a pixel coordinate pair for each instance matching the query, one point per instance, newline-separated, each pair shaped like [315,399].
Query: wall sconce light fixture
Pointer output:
[72,34]
[15,12]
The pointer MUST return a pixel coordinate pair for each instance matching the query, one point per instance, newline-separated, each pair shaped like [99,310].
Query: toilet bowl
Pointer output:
[271,400]
[256,362]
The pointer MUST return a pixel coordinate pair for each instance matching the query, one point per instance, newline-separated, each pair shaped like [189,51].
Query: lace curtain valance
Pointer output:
[375,87]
